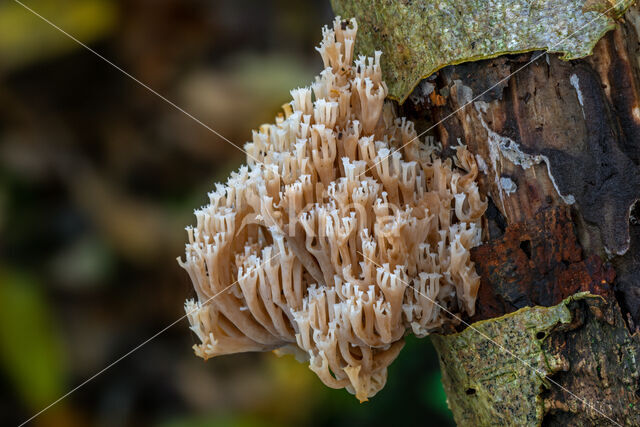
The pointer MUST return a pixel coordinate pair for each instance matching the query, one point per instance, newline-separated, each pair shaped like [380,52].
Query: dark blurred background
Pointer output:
[98,178]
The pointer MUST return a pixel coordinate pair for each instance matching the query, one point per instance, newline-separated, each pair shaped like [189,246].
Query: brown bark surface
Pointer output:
[537,262]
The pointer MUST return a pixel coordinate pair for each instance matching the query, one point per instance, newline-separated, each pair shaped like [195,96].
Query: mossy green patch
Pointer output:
[419,37]
[494,371]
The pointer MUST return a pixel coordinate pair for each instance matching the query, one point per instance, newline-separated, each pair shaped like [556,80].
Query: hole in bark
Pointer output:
[470,391]
[526,248]
[540,335]
[546,392]
[634,217]
[496,222]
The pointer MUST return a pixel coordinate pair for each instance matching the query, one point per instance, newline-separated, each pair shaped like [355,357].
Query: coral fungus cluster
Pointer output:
[341,234]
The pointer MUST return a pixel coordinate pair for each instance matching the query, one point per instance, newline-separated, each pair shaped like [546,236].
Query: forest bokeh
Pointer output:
[99,177]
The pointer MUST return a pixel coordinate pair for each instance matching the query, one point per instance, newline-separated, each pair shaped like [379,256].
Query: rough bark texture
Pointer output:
[537,262]
[550,135]
[559,145]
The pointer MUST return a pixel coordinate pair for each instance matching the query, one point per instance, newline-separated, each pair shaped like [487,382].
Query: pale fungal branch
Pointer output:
[345,236]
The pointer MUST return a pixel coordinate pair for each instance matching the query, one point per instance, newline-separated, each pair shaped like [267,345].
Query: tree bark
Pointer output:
[559,146]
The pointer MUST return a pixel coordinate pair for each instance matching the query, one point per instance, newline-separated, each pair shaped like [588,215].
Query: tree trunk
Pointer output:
[554,338]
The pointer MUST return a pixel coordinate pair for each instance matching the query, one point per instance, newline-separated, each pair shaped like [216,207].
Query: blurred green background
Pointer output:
[98,178]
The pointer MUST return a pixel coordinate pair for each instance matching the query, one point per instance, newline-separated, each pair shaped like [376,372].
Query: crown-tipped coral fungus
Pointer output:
[339,235]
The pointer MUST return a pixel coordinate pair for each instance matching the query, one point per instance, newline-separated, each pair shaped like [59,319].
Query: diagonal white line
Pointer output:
[391,152]
[136,348]
[153,91]
[177,107]
[506,350]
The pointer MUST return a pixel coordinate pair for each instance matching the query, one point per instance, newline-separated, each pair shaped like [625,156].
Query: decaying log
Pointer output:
[555,133]
[552,137]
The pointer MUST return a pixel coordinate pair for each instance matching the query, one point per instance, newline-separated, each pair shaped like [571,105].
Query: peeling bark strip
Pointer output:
[582,344]
[419,37]
[537,262]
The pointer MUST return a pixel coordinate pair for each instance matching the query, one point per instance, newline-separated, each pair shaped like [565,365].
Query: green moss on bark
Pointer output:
[582,343]
[489,381]
[420,37]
